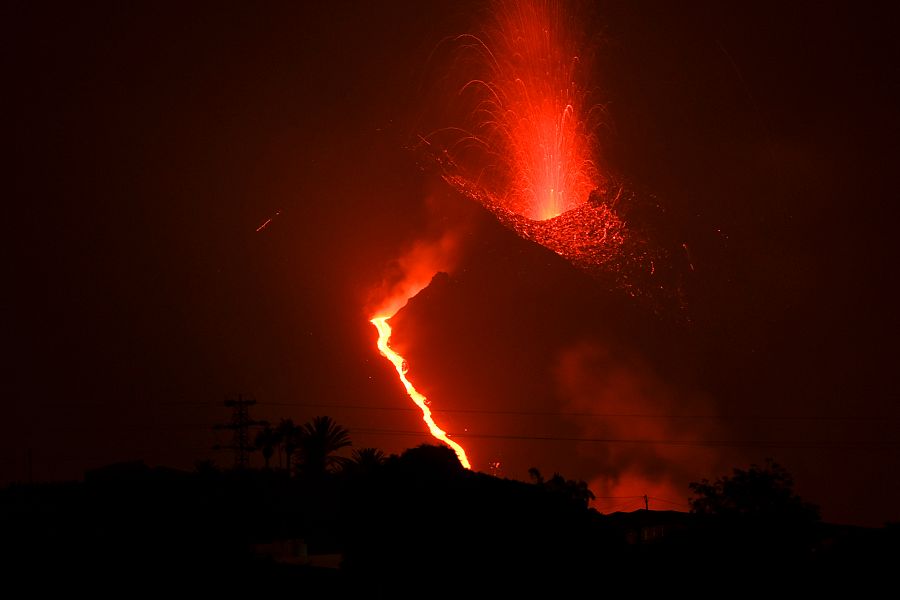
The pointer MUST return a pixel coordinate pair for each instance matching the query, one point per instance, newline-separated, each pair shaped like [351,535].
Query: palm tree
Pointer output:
[367,459]
[288,437]
[580,493]
[266,440]
[318,441]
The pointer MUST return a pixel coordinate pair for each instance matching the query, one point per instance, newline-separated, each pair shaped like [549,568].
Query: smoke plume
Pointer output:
[649,436]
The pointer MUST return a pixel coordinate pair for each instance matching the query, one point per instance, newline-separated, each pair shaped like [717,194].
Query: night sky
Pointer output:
[147,143]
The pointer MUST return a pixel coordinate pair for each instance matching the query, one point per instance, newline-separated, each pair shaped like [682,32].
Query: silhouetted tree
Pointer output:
[536,476]
[431,460]
[766,492]
[317,442]
[576,491]
[753,516]
[266,440]
[368,459]
[579,492]
[288,435]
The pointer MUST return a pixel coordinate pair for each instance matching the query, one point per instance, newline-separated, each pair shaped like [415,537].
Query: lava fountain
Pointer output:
[520,139]
[527,110]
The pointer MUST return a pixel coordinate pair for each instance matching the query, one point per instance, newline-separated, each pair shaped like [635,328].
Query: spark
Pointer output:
[400,364]
[268,221]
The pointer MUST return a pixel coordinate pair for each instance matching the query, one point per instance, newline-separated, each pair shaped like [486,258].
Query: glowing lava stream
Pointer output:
[384,338]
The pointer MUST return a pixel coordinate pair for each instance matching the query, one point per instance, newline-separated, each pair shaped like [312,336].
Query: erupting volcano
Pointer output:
[524,145]
[526,151]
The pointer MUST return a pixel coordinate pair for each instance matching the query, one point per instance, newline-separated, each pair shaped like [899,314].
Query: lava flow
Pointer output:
[384,346]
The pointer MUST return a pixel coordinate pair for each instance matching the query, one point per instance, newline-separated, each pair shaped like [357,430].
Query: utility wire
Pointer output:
[790,443]
[586,414]
[663,500]
[617,497]
[724,417]
[667,442]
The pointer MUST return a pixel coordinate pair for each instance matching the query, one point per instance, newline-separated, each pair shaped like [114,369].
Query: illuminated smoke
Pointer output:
[639,406]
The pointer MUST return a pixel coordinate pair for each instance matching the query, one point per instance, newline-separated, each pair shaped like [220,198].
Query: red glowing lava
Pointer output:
[408,275]
[384,346]
[527,142]
[526,153]
[524,147]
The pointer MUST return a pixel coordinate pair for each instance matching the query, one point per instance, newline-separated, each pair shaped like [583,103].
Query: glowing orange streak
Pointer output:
[384,337]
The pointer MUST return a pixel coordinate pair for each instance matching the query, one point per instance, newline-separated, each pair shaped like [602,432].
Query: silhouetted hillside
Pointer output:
[416,524]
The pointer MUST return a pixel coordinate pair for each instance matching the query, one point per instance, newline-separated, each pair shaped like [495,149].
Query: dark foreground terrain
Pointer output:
[418,525]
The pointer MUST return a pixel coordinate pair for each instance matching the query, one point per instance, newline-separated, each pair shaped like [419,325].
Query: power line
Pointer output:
[666,442]
[240,427]
[722,417]
[129,426]
[682,504]
[593,414]
[622,506]
[616,497]
[640,499]
[792,443]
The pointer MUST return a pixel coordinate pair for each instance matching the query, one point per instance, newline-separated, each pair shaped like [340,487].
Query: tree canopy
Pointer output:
[317,443]
[760,492]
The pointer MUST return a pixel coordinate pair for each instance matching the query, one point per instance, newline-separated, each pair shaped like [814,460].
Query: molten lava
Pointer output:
[525,150]
[520,142]
[527,137]
[384,346]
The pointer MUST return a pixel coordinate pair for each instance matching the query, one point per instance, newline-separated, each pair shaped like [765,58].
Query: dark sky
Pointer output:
[148,142]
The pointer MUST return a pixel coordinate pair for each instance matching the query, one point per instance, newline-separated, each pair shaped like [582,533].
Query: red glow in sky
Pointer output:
[140,293]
